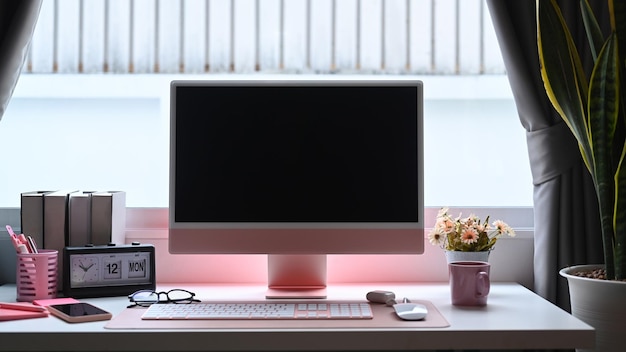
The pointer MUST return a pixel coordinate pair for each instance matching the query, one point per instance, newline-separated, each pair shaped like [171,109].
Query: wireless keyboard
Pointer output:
[259,310]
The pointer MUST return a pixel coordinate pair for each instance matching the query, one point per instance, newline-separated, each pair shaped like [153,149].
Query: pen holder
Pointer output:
[36,276]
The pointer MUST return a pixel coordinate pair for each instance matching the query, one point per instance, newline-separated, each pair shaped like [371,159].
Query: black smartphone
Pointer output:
[79,312]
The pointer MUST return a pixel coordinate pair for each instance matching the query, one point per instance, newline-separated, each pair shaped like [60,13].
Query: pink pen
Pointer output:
[32,245]
[19,246]
[25,242]
[24,307]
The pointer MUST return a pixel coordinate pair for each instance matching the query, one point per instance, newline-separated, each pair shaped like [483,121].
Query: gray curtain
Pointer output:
[17,23]
[567,227]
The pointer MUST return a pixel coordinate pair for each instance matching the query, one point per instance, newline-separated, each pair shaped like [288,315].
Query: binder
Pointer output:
[55,226]
[108,217]
[79,219]
[31,215]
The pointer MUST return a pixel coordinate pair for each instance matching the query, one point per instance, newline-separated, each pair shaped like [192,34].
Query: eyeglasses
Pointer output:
[145,298]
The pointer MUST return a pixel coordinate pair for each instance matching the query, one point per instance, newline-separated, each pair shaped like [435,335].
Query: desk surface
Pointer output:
[515,318]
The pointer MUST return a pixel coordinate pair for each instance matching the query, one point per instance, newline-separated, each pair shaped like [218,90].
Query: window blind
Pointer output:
[442,37]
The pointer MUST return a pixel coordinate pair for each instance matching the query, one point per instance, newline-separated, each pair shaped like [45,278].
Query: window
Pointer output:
[91,109]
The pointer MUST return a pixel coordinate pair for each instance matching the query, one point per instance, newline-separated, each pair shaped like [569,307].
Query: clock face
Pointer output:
[108,270]
[85,269]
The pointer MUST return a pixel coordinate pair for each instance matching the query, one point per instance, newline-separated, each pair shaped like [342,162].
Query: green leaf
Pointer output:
[604,105]
[617,11]
[594,34]
[619,219]
[603,115]
[562,73]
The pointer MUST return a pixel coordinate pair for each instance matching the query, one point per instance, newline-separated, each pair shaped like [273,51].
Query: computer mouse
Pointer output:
[410,311]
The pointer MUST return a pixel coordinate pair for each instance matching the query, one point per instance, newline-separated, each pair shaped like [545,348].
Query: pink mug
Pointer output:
[469,283]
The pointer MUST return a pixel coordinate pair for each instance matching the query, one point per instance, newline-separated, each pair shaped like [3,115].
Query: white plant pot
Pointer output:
[459,256]
[601,304]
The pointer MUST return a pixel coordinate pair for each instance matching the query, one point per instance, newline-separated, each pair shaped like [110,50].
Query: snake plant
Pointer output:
[593,107]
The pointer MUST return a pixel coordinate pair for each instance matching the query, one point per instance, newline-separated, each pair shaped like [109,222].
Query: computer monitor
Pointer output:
[296,169]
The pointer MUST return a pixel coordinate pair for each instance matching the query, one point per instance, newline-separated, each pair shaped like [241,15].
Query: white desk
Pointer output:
[515,318]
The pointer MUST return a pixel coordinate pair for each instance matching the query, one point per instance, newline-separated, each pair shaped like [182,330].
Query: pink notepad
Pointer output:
[47,302]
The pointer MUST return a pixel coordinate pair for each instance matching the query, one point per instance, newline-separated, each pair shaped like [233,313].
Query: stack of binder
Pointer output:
[57,219]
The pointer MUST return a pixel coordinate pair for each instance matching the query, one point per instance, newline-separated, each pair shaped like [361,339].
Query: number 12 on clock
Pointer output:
[112,269]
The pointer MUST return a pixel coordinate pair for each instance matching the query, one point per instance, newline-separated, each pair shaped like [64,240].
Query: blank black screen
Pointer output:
[296,154]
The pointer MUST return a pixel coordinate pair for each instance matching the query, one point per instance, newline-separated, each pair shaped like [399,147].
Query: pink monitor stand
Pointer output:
[296,276]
